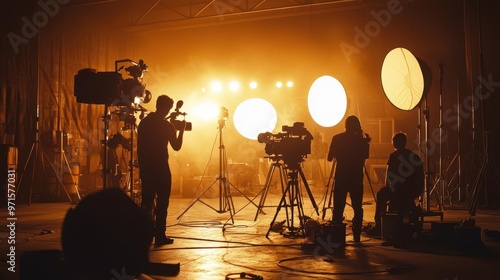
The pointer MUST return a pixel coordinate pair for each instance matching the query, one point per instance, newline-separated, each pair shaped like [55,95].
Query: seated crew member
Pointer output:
[404,181]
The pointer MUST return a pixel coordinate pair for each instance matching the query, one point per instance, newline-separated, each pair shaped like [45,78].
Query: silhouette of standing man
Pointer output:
[350,149]
[154,135]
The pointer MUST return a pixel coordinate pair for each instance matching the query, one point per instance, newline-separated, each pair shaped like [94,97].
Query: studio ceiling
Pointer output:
[170,14]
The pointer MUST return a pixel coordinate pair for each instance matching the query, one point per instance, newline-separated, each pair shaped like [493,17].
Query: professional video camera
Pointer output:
[292,145]
[119,88]
[178,124]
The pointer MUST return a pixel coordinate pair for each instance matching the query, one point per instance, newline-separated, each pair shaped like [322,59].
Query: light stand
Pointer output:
[35,147]
[484,154]
[427,188]
[456,157]
[440,182]
[406,81]
[226,203]
[37,151]
[62,164]
[62,159]
[425,199]
[225,199]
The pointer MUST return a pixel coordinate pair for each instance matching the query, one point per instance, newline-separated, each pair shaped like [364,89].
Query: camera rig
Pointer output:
[292,145]
[123,87]
[179,124]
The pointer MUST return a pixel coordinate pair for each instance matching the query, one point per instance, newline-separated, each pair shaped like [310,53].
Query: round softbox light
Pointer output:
[402,79]
[254,116]
[327,101]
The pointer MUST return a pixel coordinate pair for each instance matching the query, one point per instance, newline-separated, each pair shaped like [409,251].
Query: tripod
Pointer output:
[329,190]
[294,200]
[58,168]
[226,203]
[37,151]
[265,189]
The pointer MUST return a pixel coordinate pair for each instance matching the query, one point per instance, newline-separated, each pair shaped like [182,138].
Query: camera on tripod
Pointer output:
[179,124]
[292,145]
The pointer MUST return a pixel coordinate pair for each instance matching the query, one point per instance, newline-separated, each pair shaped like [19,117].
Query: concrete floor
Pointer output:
[209,246]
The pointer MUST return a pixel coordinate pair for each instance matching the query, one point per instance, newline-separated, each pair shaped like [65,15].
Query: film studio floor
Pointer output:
[208,245]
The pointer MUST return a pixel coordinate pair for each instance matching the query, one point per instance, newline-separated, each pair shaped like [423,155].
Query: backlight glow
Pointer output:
[206,111]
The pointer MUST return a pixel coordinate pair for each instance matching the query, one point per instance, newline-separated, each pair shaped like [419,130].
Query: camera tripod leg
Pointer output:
[311,197]
[300,209]
[370,183]
[264,192]
[281,204]
[265,189]
[329,198]
[329,191]
[295,199]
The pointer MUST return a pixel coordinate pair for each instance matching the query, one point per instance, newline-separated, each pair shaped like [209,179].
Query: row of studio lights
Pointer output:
[235,86]
[402,80]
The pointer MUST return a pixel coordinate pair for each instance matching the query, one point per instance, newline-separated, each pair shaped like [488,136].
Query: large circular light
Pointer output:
[402,79]
[327,101]
[254,116]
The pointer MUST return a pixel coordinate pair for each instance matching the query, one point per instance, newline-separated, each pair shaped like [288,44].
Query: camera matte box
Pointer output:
[97,87]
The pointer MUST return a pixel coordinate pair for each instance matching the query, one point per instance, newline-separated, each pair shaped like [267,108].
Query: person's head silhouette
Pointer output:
[399,140]
[106,235]
[352,124]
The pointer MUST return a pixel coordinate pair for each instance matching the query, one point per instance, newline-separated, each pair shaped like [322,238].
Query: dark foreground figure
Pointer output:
[106,236]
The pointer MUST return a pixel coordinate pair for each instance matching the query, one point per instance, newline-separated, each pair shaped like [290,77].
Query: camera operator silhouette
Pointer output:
[350,149]
[404,182]
[154,135]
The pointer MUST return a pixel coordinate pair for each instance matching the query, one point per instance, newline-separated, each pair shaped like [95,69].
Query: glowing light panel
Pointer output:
[402,79]
[327,101]
[216,86]
[254,116]
[234,85]
[206,111]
